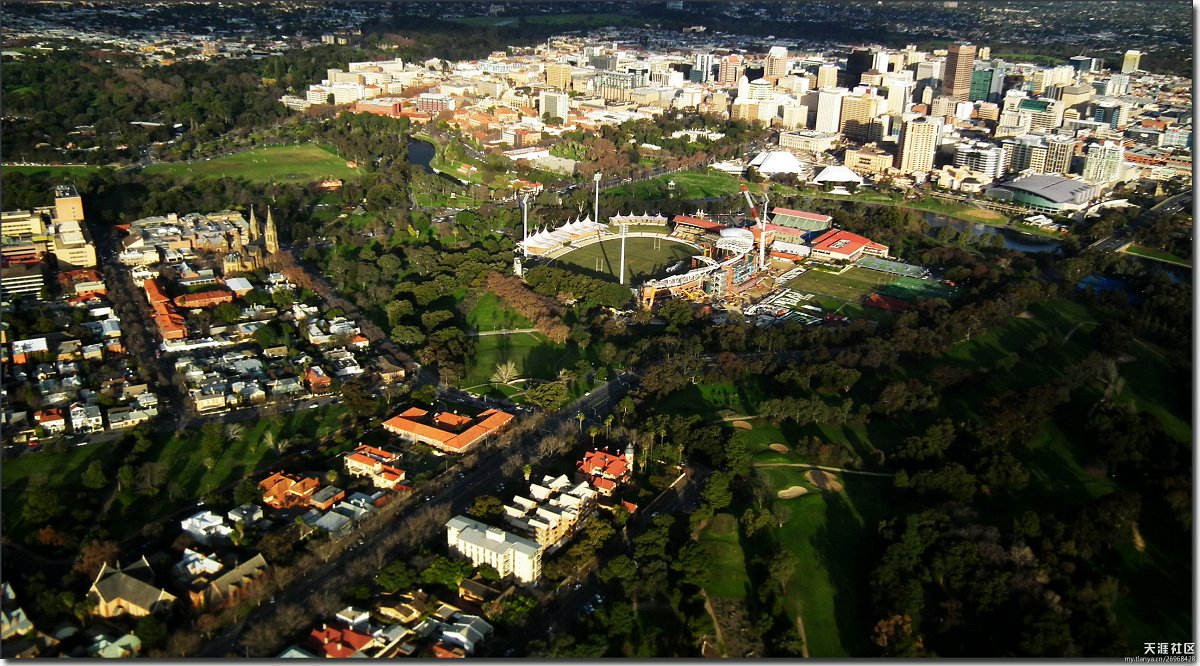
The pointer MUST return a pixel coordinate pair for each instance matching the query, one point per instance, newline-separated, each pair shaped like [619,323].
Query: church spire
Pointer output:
[270,235]
[253,226]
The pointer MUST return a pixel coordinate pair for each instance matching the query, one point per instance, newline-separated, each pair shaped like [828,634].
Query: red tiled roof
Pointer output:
[698,222]
[485,423]
[852,242]
[337,643]
[818,217]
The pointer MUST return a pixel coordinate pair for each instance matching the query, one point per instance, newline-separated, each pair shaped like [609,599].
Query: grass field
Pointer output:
[490,314]
[534,354]
[688,185]
[296,164]
[912,288]
[1157,255]
[852,285]
[51,170]
[727,563]
[827,532]
[642,261]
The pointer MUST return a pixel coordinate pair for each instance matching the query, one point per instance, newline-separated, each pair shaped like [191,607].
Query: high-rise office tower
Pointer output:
[743,89]
[960,62]
[702,68]
[777,63]
[558,76]
[983,157]
[1103,162]
[879,61]
[554,105]
[918,141]
[857,111]
[829,109]
[899,92]
[1132,61]
[827,76]
[859,61]
[1060,150]
[731,70]
[1025,152]
[981,84]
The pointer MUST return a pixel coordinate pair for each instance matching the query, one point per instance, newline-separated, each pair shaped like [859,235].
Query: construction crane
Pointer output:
[762,227]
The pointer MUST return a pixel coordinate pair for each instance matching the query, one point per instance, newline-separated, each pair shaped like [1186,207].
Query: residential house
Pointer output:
[337,643]
[467,632]
[51,421]
[127,591]
[13,621]
[86,418]
[318,382]
[120,647]
[605,471]
[376,464]
[206,527]
[325,498]
[246,514]
[282,491]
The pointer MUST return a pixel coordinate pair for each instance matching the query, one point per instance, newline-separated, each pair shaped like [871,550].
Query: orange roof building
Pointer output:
[451,433]
[282,491]
[605,471]
[841,245]
[335,643]
[375,463]
[204,299]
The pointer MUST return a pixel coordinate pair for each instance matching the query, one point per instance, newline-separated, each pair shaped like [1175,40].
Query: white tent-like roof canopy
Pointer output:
[838,174]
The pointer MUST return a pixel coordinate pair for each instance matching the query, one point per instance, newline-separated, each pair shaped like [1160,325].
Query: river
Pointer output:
[1013,239]
[421,153]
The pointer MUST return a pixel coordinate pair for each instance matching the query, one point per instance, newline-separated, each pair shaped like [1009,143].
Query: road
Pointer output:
[457,493]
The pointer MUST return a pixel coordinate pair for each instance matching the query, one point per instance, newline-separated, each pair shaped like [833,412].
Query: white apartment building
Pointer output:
[508,553]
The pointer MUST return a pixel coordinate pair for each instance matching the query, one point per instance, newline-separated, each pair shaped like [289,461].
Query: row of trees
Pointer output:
[544,312]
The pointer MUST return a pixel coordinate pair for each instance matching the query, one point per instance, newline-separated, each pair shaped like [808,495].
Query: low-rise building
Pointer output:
[376,464]
[127,591]
[509,554]
[451,433]
[841,245]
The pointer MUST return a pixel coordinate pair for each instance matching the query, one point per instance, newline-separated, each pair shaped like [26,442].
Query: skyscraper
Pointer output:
[829,109]
[702,68]
[731,70]
[827,76]
[981,84]
[983,157]
[1025,152]
[1103,162]
[558,76]
[1132,62]
[777,63]
[918,141]
[960,63]
[1060,150]
[857,112]
[553,105]
[859,61]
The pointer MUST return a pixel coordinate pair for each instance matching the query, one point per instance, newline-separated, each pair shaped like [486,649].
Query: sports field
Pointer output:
[292,164]
[911,289]
[33,170]
[688,185]
[642,260]
[849,286]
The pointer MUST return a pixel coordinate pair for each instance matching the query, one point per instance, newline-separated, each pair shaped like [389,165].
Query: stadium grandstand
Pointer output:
[548,240]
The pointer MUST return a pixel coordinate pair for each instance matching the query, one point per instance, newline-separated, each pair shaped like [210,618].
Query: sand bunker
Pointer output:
[779,448]
[743,425]
[823,480]
[794,491]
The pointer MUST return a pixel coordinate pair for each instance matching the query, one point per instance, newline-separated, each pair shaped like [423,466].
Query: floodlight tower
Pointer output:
[596,209]
[524,225]
[624,231]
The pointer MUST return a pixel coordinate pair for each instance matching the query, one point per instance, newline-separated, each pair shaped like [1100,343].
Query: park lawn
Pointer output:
[642,261]
[727,563]
[298,164]
[534,354]
[59,472]
[1157,607]
[830,535]
[714,401]
[852,285]
[1150,253]
[54,171]
[491,314]
[1149,387]
[688,185]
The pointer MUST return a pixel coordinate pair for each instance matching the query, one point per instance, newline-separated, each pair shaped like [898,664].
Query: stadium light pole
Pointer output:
[624,232]
[596,209]
[525,226]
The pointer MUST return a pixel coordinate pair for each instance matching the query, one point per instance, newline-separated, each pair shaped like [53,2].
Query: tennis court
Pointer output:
[893,267]
[912,289]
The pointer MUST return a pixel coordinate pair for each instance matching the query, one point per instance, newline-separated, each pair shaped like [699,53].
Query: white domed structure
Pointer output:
[775,162]
[838,175]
